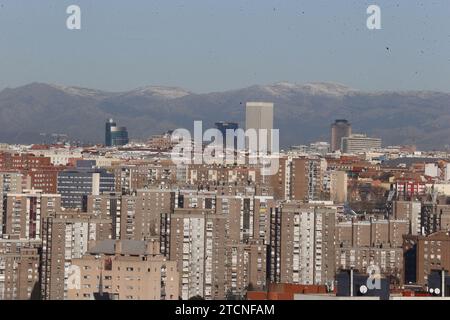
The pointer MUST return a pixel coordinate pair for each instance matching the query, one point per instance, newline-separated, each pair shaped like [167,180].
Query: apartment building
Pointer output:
[10,182]
[338,186]
[434,217]
[374,242]
[123,270]
[219,242]
[218,175]
[141,213]
[245,268]
[66,236]
[19,269]
[196,236]
[371,233]
[389,261]
[107,206]
[25,212]
[411,211]
[302,243]
[134,177]
[299,178]
[426,253]
[39,169]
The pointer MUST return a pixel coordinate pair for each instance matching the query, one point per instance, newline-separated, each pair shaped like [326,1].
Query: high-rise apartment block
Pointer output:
[366,233]
[19,269]
[338,186]
[302,243]
[26,211]
[67,236]
[424,254]
[360,244]
[10,182]
[434,217]
[107,205]
[299,178]
[219,243]
[410,211]
[389,261]
[132,177]
[141,213]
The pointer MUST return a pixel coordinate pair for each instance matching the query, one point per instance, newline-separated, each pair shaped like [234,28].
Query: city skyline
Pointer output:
[225,151]
[123,221]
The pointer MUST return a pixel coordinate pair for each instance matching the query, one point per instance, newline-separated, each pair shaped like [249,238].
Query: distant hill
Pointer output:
[303,113]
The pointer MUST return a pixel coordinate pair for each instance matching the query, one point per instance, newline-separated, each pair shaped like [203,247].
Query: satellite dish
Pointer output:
[363,289]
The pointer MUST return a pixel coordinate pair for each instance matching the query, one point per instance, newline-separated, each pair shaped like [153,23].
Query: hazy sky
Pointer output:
[215,45]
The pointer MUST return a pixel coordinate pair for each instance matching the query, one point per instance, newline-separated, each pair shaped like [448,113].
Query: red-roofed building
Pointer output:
[285,291]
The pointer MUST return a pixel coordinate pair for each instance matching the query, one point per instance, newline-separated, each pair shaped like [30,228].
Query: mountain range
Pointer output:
[303,112]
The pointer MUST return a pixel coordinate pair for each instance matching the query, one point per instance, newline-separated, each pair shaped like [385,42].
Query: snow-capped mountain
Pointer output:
[314,88]
[161,92]
[303,112]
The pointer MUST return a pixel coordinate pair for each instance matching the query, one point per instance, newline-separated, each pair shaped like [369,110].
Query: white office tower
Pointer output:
[259,115]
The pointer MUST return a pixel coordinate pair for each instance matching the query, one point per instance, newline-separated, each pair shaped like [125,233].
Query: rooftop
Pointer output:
[130,247]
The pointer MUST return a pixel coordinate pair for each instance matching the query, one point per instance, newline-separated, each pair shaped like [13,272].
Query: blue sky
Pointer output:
[215,45]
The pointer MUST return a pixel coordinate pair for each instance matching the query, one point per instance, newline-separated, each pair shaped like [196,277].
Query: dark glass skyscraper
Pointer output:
[115,136]
[109,124]
[223,126]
